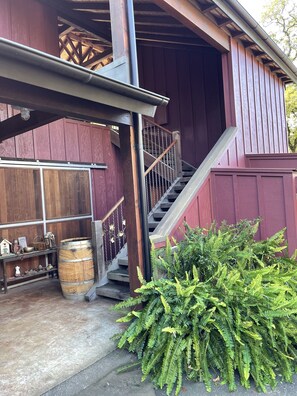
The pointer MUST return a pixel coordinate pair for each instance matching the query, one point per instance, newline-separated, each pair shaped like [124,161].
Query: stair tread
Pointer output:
[123,261]
[187,173]
[158,215]
[120,275]
[166,205]
[178,188]
[152,224]
[185,179]
[172,196]
[115,291]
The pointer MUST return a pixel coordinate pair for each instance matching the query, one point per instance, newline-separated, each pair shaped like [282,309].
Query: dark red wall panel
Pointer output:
[25,145]
[259,95]
[42,143]
[30,23]
[85,143]
[249,193]
[192,79]
[57,140]
[286,160]
[71,141]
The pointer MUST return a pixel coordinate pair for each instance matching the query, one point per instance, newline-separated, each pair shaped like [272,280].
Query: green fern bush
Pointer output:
[225,303]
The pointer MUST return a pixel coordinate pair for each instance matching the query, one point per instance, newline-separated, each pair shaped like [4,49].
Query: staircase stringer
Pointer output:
[166,226]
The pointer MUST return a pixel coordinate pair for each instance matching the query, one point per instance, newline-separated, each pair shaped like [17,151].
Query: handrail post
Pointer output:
[178,153]
[98,250]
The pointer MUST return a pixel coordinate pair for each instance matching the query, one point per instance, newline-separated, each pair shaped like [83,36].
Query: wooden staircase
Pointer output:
[164,205]
[118,280]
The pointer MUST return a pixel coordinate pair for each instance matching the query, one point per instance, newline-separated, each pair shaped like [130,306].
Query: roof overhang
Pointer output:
[46,73]
[238,14]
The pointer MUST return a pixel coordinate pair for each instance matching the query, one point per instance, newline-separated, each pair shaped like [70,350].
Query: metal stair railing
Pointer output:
[162,151]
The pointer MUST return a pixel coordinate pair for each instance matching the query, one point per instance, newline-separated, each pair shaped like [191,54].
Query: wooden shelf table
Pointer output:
[5,281]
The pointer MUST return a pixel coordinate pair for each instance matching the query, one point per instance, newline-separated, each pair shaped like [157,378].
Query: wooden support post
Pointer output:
[178,153]
[120,34]
[98,250]
[131,208]
[98,258]
[124,49]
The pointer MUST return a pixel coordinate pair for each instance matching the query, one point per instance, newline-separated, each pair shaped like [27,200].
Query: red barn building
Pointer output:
[218,150]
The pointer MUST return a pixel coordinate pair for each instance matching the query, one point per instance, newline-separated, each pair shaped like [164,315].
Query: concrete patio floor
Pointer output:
[45,339]
[55,347]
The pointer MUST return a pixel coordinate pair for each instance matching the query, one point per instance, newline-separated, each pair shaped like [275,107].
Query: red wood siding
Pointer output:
[247,194]
[259,107]
[276,161]
[108,184]
[30,23]
[63,140]
[192,79]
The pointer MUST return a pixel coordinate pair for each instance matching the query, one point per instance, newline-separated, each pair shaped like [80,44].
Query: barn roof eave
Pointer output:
[46,71]
[238,14]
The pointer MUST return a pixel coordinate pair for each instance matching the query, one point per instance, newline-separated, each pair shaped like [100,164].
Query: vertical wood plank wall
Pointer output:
[30,23]
[251,193]
[192,79]
[259,107]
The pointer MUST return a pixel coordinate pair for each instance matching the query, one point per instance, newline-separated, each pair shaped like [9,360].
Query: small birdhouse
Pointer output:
[4,247]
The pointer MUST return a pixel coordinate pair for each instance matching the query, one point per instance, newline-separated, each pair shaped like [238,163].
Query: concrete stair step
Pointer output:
[172,196]
[123,261]
[178,188]
[115,291]
[158,215]
[185,179]
[188,173]
[152,225]
[119,275]
[166,205]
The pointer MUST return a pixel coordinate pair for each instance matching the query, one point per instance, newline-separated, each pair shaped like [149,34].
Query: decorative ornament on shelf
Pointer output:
[50,240]
[4,247]
[17,271]
[16,248]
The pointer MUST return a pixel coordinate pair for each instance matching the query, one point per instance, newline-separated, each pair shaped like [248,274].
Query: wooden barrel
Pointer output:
[76,267]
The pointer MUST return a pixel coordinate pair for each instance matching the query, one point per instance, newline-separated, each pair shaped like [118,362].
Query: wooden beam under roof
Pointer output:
[78,20]
[89,5]
[86,41]
[161,20]
[25,95]
[15,125]
[221,22]
[167,39]
[65,29]
[208,7]
[97,58]
[179,30]
[195,20]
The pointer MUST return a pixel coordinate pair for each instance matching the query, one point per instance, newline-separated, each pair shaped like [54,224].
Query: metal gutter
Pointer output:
[250,26]
[42,61]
